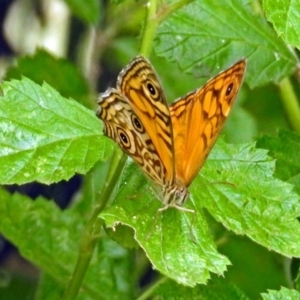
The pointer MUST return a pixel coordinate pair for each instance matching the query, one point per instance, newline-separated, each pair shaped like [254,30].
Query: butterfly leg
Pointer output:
[160,210]
[180,208]
[193,238]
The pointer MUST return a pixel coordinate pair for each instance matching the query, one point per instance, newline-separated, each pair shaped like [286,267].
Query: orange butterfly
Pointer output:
[171,143]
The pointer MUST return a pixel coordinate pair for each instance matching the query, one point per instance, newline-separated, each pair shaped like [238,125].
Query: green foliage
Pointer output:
[285,149]
[217,288]
[44,136]
[49,237]
[244,203]
[210,35]
[284,15]
[284,293]
[251,201]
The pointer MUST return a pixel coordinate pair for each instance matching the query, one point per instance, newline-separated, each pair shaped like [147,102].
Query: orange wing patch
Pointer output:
[198,118]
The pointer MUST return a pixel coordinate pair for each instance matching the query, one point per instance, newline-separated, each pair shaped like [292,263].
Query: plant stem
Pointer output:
[290,103]
[93,227]
[154,18]
[149,28]
[147,294]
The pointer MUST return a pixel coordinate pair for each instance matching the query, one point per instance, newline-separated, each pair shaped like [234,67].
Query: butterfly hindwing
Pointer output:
[122,125]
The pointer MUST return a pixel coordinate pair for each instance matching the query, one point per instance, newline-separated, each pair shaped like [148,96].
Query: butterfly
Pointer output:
[169,143]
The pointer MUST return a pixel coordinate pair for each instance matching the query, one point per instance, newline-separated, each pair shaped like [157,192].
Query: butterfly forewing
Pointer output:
[198,118]
[140,85]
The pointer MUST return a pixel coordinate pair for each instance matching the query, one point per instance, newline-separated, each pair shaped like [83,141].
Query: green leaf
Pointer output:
[237,188]
[285,148]
[45,137]
[49,238]
[208,36]
[48,231]
[216,288]
[179,244]
[284,293]
[284,15]
[87,10]
[57,72]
